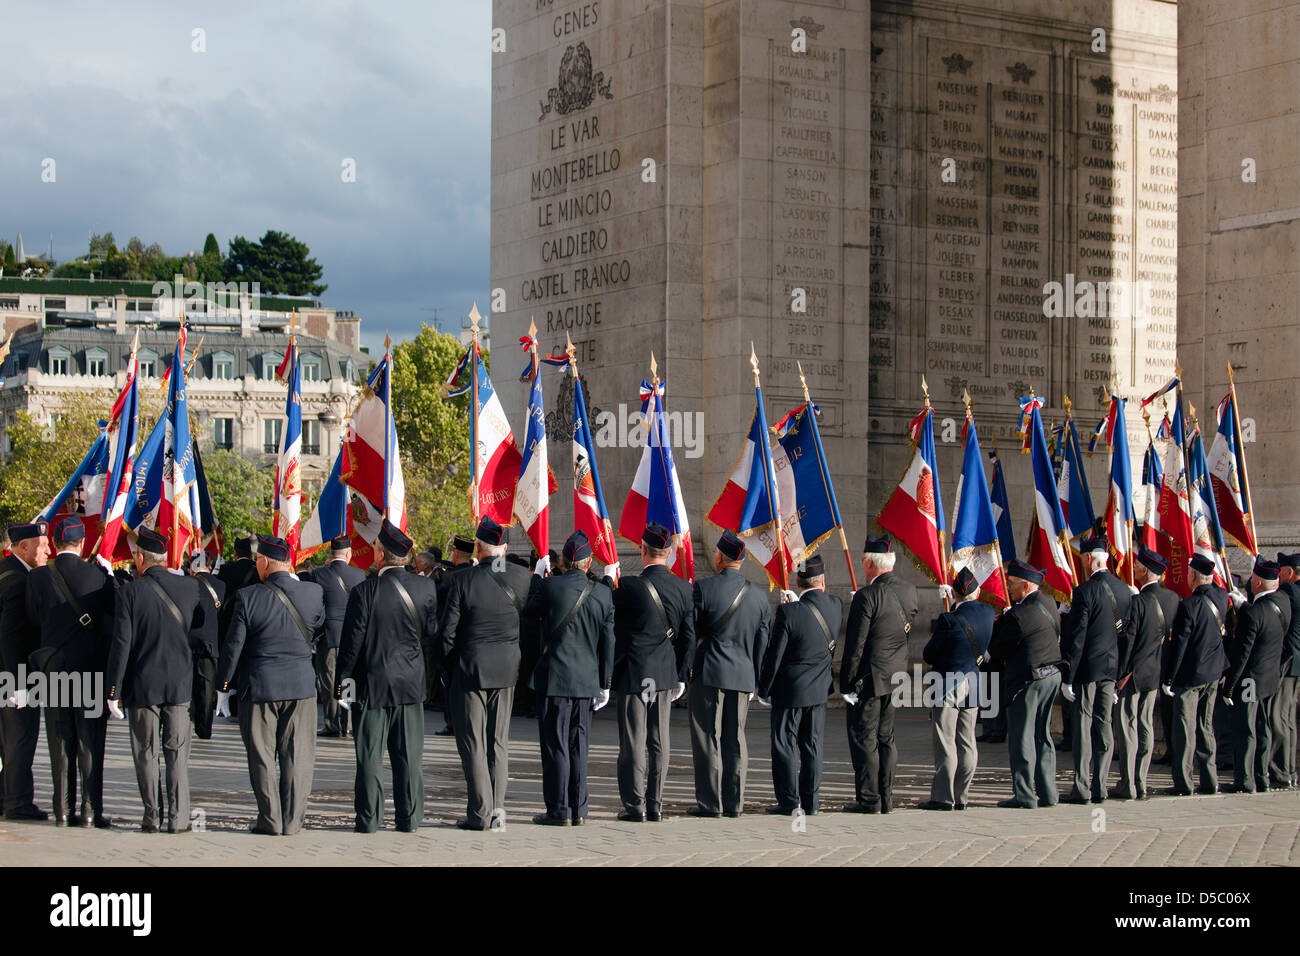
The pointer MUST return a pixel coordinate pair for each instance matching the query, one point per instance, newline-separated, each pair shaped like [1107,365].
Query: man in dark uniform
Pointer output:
[957,649]
[875,649]
[336,579]
[1256,667]
[1150,622]
[20,723]
[274,630]
[439,680]
[654,624]
[151,670]
[70,605]
[1194,661]
[1027,644]
[238,574]
[732,621]
[795,679]
[569,617]
[206,649]
[1281,770]
[1090,645]
[390,617]
[479,646]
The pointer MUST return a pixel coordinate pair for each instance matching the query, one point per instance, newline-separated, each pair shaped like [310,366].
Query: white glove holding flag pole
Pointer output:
[1238,597]
[1168,689]
[611,571]
[223,703]
[115,708]
[1068,692]
[850,699]
[345,703]
[678,691]
[18,699]
[765,702]
[543,566]
[1133,588]
[946,592]
[600,700]
[104,563]
[788,597]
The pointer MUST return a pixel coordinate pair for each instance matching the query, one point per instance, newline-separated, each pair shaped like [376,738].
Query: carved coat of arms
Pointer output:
[577,85]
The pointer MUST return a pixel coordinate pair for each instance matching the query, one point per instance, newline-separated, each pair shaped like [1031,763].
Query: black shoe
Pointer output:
[960,806]
[254,828]
[653,816]
[1143,795]
[466,825]
[1207,791]
[861,808]
[1098,799]
[1118,794]
[188,829]
[328,733]
[933,805]
[995,739]
[546,820]
[76,820]
[148,828]
[445,732]
[780,811]
[701,812]
[731,814]
[1013,802]
[102,822]
[27,813]
[1176,792]
[1077,801]
[886,804]
[1236,788]
[579,821]
[631,816]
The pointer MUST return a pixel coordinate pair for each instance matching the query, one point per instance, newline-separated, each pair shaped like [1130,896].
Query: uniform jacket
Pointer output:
[478,628]
[730,657]
[1291,651]
[875,646]
[1026,636]
[237,574]
[149,659]
[796,669]
[578,661]
[266,657]
[642,650]
[1195,654]
[17,634]
[382,649]
[55,624]
[1090,643]
[1150,622]
[329,578]
[949,648]
[207,639]
[1256,649]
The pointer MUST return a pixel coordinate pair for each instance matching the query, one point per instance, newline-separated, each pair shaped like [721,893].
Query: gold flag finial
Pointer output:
[1231,379]
[388,342]
[654,366]
[753,361]
[532,331]
[803,382]
[1068,405]
[925,390]
[474,320]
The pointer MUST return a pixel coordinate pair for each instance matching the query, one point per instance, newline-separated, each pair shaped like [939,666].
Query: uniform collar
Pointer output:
[1150,584]
[389,567]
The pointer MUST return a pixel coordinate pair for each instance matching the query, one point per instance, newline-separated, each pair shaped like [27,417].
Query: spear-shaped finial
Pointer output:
[753,362]
[1031,388]
[803,382]
[1178,369]
[1068,405]
[474,320]
[1230,374]
[654,367]
[388,343]
[925,390]
[571,351]
[532,332]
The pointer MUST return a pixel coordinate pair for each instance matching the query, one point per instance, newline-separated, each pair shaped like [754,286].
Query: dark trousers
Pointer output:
[1194,724]
[1281,768]
[76,744]
[336,717]
[1252,740]
[719,748]
[482,722]
[797,735]
[564,727]
[401,730]
[203,702]
[643,750]
[1029,742]
[1094,738]
[280,737]
[22,730]
[160,734]
[871,747]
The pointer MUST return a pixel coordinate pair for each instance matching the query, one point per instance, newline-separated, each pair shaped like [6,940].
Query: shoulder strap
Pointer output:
[406,600]
[510,592]
[211,590]
[1053,621]
[663,615]
[338,579]
[167,602]
[1276,610]
[1218,618]
[826,631]
[293,611]
[85,619]
[726,615]
[573,611]
[7,575]
[1114,605]
[907,624]
[1160,613]
[970,636]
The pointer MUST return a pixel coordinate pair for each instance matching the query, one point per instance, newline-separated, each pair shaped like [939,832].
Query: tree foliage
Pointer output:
[241,495]
[42,457]
[279,263]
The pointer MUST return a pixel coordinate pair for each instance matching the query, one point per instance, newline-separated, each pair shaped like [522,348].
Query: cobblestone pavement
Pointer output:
[1243,830]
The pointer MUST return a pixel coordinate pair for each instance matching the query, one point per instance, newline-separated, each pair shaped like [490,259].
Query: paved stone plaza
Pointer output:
[1164,831]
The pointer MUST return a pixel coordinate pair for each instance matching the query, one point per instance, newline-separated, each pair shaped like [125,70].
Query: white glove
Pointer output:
[600,700]
[1065,608]
[543,567]
[1068,692]
[104,563]
[1238,598]
[751,697]
[946,592]
[345,704]
[850,699]
[788,596]
[18,700]
[765,703]
[1168,689]
[115,709]
[1133,588]
[223,703]
[677,692]
[611,571]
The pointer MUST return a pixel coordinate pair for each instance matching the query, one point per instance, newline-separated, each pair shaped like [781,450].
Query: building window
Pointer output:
[271,434]
[223,433]
[311,437]
[311,367]
[96,362]
[270,362]
[60,361]
[148,360]
[223,366]
[347,370]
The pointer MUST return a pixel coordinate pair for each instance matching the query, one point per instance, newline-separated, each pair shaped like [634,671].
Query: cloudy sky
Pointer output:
[152,139]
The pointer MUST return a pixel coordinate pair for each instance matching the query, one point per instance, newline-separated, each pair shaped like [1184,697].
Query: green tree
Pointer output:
[434,436]
[241,495]
[211,247]
[279,263]
[9,264]
[43,457]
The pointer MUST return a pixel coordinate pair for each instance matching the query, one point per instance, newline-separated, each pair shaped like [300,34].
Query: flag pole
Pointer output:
[1241,448]
[997,546]
[1223,552]
[772,495]
[944,557]
[844,542]
[473,410]
[606,533]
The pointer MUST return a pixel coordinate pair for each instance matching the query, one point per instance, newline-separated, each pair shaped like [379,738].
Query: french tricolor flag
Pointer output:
[1174,509]
[656,493]
[1227,465]
[1049,544]
[83,490]
[1152,479]
[123,428]
[914,512]
[1119,500]
[974,526]
[536,483]
[370,463]
[496,460]
[287,506]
